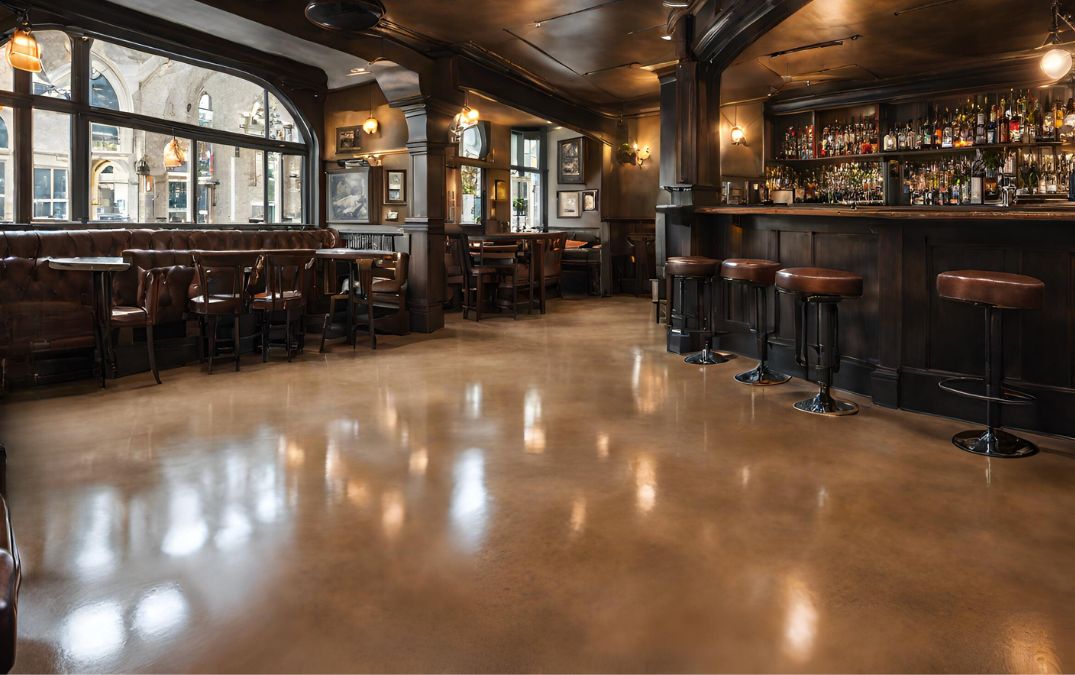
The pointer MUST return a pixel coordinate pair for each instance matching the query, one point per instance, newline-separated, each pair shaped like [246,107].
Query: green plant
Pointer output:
[519,204]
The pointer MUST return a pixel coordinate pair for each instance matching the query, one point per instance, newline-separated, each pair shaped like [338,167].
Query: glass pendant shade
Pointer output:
[1056,63]
[23,51]
[470,114]
[737,135]
[174,154]
[371,125]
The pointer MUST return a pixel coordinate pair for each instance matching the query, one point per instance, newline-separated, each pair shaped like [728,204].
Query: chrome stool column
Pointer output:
[759,276]
[994,292]
[704,271]
[823,289]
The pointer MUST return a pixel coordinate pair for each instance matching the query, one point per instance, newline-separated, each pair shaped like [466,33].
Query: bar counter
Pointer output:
[900,338]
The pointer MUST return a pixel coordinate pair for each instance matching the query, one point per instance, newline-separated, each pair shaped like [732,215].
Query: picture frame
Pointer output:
[348,195]
[348,140]
[500,190]
[568,204]
[589,200]
[395,186]
[571,161]
[392,216]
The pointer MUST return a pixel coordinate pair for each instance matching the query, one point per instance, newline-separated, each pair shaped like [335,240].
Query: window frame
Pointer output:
[542,171]
[23,102]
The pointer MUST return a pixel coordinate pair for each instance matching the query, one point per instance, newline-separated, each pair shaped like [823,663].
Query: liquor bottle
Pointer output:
[1003,128]
[980,137]
[901,138]
[889,143]
[926,133]
[991,127]
[938,129]
[946,137]
[1015,121]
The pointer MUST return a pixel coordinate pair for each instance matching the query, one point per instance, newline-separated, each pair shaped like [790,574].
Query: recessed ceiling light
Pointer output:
[666,37]
[357,71]
[537,24]
[676,4]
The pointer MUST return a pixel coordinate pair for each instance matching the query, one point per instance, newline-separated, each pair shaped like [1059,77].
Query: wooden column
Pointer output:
[427,144]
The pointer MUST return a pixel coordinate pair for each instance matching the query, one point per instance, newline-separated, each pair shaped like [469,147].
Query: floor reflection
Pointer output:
[468,511]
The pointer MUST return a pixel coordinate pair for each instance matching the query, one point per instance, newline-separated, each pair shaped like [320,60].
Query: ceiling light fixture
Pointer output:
[371,124]
[175,155]
[1056,62]
[23,51]
[666,36]
[676,4]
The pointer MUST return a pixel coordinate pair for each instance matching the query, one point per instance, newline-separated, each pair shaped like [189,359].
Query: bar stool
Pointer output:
[824,289]
[705,271]
[759,275]
[995,292]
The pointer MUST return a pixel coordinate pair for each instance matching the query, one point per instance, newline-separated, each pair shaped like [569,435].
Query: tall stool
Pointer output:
[993,291]
[758,275]
[705,271]
[823,289]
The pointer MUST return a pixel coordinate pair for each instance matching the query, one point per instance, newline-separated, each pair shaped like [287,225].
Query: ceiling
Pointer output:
[339,66]
[932,37]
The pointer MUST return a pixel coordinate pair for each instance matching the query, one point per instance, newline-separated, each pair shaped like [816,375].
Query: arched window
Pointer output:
[3,134]
[102,93]
[205,110]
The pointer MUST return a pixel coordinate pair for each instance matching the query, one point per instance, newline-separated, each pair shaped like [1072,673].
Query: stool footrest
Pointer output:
[1008,397]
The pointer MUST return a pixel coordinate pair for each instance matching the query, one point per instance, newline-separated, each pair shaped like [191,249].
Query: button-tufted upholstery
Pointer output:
[42,309]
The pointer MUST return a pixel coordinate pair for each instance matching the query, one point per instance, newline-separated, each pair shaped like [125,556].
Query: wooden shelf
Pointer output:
[881,156]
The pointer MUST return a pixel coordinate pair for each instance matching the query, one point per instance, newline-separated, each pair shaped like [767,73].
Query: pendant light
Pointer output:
[174,154]
[23,51]
[469,115]
[371,124]
[1056,62]
[737,134]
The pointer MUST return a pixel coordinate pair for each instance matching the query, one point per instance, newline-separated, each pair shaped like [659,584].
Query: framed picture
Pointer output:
[501,190]
[571,160]
[348,198]
[589,200]
[568,204]
[395,186]
[392,216]
[348,140]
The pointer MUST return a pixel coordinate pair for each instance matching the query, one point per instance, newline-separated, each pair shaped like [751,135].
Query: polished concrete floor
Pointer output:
[552,494]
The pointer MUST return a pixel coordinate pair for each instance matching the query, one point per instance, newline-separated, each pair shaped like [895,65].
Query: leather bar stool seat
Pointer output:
[819,281]
[691,266]
[1002,290]
[996,292]
[751,270]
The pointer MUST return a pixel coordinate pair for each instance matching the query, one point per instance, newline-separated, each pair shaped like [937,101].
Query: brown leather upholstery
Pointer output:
[752,270]
[128,316]
[691,266]
[10,576]
[1000,289]
[819,281]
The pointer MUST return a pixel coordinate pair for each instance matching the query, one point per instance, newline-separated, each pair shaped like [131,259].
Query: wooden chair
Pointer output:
[389,287]
[355,290]
[10,576]
[552,263]
[515,271]
[222,291]
[453,271]
[475,276]
[287,279]
[143,315]
[642,245]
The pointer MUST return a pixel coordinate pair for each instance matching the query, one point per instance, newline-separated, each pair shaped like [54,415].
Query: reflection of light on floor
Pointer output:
[578,514]
[159,611]
[648,384]
[1030,648]
[468,508]
[234,529]
[94,548]
[744,475]
[93,632]
[293,454]
[188,530]
[534,439]
[800,620]
[418,462]
[474,399]
[391,414]
[602,445]
[645,483]
[393,511]
[357,493]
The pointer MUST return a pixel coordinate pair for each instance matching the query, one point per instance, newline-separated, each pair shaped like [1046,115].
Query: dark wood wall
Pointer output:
[899,339]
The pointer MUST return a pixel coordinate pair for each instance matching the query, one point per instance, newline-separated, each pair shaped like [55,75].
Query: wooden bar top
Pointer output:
[1050,212]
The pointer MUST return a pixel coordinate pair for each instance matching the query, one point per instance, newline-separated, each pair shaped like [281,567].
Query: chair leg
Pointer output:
[287,335]
[481,300]
[235,340]
[201,339]
[265,325]
[212,342]
[373,329]
[151,350]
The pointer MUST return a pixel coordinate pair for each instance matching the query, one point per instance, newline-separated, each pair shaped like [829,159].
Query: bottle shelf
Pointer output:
[899,154]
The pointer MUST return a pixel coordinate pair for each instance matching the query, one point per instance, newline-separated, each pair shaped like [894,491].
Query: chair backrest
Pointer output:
[286,272]
[395,267]
[554,253]
[224,273]
[486,252]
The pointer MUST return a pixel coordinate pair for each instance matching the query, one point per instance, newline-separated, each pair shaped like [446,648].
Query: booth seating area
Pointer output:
[47,312]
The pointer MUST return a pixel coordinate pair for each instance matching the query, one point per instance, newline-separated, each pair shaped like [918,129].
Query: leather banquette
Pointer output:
[45,310]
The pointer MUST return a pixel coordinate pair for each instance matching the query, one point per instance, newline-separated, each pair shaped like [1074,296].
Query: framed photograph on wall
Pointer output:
[348,198]
[348,140]
[589,200]
[568,204]
[571,161]
[395,186]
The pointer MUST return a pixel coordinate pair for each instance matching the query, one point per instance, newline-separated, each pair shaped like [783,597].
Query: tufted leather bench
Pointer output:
[43,310]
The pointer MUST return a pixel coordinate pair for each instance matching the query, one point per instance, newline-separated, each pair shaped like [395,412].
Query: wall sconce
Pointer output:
[633,154]
[144,177]
[23,50]
[737,136]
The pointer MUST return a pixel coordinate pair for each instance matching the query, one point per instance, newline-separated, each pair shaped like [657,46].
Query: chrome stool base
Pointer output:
[761,376]
[825,404]
[994,443]
[707,357]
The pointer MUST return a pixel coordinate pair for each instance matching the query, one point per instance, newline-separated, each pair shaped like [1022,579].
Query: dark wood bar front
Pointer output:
[900,339]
